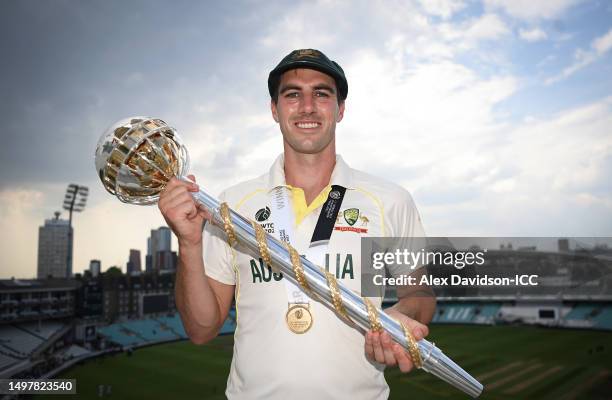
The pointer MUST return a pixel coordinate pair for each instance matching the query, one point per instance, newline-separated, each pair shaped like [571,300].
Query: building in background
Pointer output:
[36,299]
[563,245]
[53,247]
[95,266]
[148,257]
[159,251]
[133,264]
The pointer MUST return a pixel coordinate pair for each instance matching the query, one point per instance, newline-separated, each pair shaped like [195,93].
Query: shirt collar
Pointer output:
[341,175]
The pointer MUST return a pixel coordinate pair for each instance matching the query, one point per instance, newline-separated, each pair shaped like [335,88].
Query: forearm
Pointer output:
[195,298]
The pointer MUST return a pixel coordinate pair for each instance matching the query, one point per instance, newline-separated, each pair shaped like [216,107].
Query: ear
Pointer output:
[340,112]
[274,110]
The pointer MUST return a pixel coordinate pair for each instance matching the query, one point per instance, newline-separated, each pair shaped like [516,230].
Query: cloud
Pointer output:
[442,8]
[582,58]
[530,10]
[487,27]
[532,35]
[603,43]
[448,40]
[20,216]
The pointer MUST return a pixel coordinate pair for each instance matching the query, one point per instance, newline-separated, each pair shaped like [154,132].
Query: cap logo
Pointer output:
[306,53]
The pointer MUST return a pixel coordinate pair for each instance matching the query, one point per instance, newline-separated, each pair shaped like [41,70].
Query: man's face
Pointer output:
[307,110]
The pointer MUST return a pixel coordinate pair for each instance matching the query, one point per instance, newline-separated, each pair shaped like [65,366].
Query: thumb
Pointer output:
[192,177]
[418,329]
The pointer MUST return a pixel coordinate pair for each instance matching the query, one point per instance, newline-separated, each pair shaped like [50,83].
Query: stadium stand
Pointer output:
[603,319]
[150,330]
[41,330]
[160,329]
[75,351]
[174,324]
[116,333]
[485,314]
[456,313]
[580,312]
[6,360]
[18,342]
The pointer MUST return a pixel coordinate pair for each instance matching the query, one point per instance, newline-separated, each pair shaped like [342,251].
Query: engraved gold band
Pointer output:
[336,296]
[413,347]
[260,236]
[298,269]
[375,325]
[227,224]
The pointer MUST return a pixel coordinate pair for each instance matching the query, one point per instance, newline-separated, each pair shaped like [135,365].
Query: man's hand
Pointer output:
[381,348]
[182,214]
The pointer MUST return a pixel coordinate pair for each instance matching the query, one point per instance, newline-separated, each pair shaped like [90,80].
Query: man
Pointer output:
[273,359]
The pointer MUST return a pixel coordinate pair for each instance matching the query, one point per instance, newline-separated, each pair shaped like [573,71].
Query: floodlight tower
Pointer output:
[74,200]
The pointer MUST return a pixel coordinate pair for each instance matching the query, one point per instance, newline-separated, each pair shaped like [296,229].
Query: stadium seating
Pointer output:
[19,342]
[466,313]
[144,331]
[229,326]
[6,361]
[580,312]
[485,314]
[75,351]
[174,323]
[150,330]
[603,319]
[43,330]
[118,334]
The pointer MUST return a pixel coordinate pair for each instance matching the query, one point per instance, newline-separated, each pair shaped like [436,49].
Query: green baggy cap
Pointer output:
[312,59]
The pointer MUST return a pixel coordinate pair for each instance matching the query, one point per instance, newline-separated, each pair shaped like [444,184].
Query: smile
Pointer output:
[307,125]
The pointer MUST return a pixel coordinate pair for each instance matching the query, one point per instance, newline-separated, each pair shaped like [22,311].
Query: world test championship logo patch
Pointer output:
[263,214]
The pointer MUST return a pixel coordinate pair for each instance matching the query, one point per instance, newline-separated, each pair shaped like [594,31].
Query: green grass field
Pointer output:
[513,362]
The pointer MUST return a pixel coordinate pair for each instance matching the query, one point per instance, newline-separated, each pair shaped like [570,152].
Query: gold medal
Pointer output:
[299,318]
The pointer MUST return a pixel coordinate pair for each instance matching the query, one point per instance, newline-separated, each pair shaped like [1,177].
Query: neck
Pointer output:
[310,172]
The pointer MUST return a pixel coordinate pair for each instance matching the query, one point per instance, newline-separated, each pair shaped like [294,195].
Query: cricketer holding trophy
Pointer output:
[273,358]
[286,247]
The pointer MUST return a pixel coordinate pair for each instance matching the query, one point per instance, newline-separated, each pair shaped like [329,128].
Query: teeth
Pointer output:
[307,125]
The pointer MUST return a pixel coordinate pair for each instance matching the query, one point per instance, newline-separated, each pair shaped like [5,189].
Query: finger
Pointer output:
[418,329]
[193,187]
[379,354]
[175,193]
[174,182]
[176,198]
[387,345]
[180,207]
[170,189]
[188,208]
[369,346]
[404,362]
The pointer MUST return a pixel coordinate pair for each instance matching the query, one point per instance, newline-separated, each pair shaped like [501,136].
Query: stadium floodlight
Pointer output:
[75,200]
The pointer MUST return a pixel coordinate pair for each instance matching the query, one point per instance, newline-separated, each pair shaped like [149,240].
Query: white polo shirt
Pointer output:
[328,361]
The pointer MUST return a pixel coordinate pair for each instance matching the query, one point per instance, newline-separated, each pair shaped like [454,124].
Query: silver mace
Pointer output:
[135,159]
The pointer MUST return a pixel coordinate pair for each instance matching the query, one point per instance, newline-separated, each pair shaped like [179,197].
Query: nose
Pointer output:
[307,105]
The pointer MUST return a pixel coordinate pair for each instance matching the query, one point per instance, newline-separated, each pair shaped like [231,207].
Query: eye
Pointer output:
[320,93]
[292,95]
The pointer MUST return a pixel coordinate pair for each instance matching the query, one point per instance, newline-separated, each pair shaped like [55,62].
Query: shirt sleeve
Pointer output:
[407,229]
[218,255]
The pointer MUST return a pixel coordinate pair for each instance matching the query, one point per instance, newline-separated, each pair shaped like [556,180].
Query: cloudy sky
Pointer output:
[495,114]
